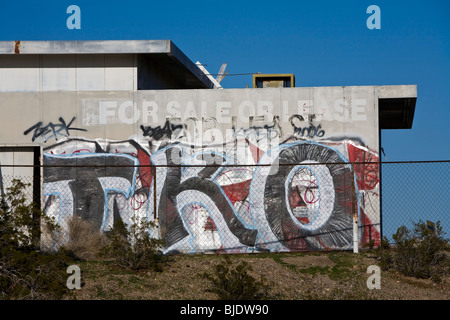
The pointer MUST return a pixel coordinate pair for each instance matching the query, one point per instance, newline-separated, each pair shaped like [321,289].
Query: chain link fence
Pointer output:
[413,191]
[238,209]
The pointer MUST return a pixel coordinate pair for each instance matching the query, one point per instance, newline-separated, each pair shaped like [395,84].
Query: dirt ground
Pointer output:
[290,276]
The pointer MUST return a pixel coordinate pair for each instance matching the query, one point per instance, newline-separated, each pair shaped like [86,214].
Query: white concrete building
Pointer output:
[274,168]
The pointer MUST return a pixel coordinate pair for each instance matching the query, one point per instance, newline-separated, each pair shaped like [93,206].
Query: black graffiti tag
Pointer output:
[310,132]
[158,132]
[52,130]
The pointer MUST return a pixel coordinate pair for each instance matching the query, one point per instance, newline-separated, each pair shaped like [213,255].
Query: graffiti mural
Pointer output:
[297,195]
[232,170]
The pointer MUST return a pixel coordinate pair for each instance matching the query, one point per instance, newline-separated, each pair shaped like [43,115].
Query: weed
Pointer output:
[315,270]
[133,248]
[279,260]
[86,240]
[343,263]
[231,282]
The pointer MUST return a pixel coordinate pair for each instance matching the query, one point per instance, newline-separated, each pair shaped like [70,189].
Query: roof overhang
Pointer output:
[396,106]
[164,52]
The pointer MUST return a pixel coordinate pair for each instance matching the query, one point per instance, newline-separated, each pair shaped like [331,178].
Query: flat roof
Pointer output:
[396,105]
[164,52]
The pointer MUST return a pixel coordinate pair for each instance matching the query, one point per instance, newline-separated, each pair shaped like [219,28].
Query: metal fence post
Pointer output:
[154,193]
[355,212]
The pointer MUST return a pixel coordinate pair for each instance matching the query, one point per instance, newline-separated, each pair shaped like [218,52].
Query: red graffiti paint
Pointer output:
[366,167]
[210,225]
[145,173]
[238,191]
[257,153]
[370,233]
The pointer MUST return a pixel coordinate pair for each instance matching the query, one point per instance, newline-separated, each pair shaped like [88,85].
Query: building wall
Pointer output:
[68,72]
[301,197]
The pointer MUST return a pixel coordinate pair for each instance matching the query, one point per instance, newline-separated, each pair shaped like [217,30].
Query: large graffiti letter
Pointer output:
[306,205]
[83,182]
[195,186]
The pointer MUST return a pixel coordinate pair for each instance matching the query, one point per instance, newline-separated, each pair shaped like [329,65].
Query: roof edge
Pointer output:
[84,47]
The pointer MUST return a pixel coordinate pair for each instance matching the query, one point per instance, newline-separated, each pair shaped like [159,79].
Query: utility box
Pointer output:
[273,80]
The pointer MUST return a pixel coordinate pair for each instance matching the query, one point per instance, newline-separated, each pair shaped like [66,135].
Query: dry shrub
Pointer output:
[132,247]
[417,252]
[234,282]
[86,240]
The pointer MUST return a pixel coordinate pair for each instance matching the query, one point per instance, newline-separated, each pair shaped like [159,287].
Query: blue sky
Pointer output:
[324,43]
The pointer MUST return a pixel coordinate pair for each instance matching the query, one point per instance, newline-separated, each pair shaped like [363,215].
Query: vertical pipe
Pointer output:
[37,196]
[380,175]
[355,213]
[355,234]
[380,183]
[155,205]
[154,193]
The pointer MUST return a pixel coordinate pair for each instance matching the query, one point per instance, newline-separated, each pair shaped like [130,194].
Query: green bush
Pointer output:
[235,283]
[32,275]
[25,272]
[18,227]
[133,248]
[419,252]
[384,253]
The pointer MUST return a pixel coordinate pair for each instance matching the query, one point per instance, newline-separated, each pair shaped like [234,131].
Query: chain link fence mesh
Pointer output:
[237,209]
[413,191]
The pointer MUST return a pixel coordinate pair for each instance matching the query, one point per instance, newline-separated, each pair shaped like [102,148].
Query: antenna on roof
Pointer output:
[221,74]
[216,84]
